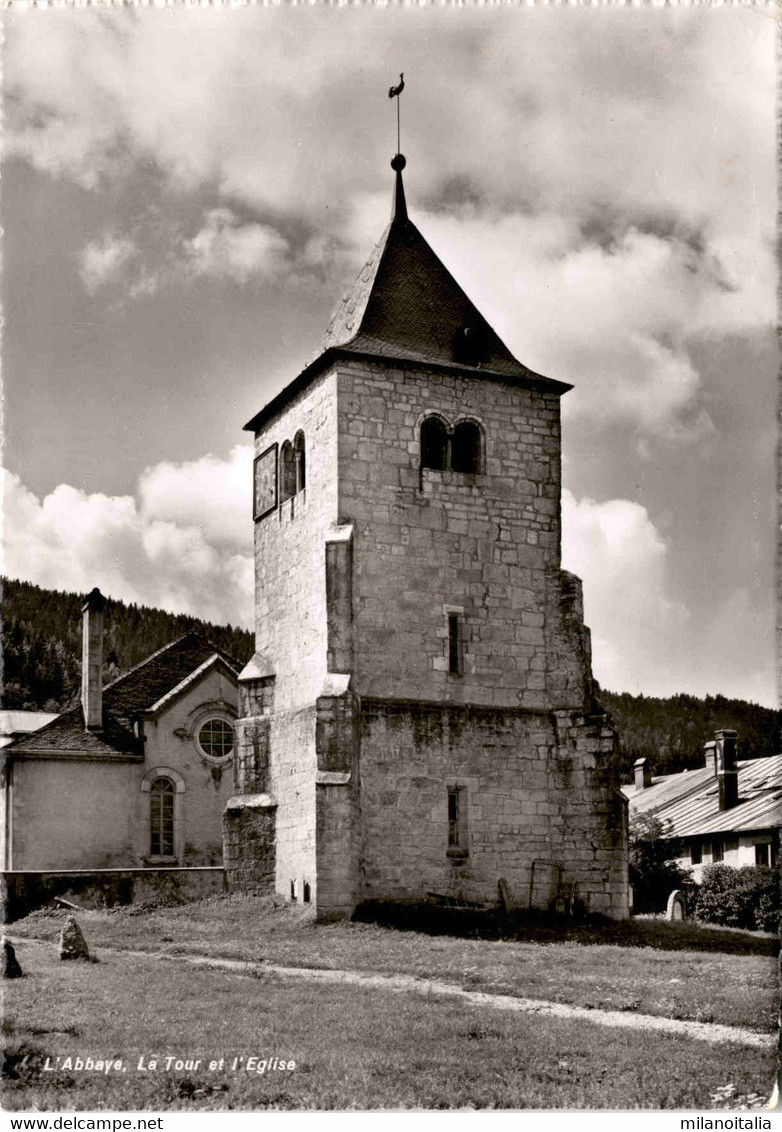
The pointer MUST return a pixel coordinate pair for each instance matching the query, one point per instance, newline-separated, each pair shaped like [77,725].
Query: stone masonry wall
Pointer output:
[537,787]
[338,801]
[293,788]
[248,847]
[291,626]
[427,542]
[290,588]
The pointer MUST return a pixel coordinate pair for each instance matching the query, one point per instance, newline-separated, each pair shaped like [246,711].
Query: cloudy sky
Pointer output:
[188,192]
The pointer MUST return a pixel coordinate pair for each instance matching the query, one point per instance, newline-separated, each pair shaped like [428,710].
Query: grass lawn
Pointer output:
[637,970]
[352,1047]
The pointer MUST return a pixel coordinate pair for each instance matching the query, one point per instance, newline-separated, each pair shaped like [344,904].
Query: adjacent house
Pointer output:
[136,775]
[727,811]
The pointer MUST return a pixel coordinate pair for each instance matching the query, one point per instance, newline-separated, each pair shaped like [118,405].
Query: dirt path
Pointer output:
[406,984]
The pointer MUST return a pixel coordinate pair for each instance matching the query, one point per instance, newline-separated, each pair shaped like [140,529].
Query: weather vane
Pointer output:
[394,92]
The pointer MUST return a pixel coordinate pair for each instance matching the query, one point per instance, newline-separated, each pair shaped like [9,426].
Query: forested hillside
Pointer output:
[671,732]
[41,637]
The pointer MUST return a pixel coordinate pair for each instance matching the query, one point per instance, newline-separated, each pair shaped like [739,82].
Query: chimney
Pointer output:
[92,660]
[710,752]
[727,771]
[643,774]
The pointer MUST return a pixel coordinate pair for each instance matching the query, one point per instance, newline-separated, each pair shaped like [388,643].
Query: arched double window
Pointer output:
[459,449]
[292,467]
[161,818]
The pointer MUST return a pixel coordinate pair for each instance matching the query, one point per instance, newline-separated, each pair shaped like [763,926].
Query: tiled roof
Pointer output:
[123,700]
[690,800]
[405,305]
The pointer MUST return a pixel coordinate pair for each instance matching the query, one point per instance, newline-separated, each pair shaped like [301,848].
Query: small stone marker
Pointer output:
[11,968]
[72,943]
[677,906]
[505,896]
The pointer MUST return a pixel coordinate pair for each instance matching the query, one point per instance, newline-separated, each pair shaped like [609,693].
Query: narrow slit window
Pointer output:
[453,819]
[716,851]
[762,854]
[455,636]
[695,852]
[457,821]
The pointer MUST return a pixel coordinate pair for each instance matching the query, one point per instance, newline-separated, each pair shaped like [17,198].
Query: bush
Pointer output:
[739,898]
[653,874]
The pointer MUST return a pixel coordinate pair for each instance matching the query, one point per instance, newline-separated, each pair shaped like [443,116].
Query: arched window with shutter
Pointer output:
[287,471]
[299,461]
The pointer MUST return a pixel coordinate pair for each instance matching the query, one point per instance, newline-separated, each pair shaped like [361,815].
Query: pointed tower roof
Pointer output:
[406,306]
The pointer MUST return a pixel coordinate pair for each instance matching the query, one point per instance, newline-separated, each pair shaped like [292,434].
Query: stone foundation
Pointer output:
[541,806]
[249,856]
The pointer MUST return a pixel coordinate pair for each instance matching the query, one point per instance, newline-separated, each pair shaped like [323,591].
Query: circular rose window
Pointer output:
[216,739]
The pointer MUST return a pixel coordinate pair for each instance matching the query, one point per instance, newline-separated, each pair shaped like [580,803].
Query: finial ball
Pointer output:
[398,162]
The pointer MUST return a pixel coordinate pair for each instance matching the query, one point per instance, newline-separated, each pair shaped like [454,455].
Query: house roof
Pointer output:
[690,800]
[405,306]
[124,701]
[20,722]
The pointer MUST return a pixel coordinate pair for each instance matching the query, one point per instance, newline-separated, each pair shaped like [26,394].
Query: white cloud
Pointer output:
[615,319]
[71,540]
[102,261]
[644,638]
[212,494]
[225,248]
[637,626]
[643,111]
[623,200]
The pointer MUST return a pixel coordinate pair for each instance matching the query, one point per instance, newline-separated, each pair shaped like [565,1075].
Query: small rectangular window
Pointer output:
[731,844]
[457,821]
[716,850]
[762,854]
[455,644]
[453,818]
[696,853]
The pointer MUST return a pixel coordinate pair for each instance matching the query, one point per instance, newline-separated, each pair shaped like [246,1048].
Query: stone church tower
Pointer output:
[419,714]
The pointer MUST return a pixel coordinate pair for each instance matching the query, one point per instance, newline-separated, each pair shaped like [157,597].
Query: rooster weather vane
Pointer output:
[394,92]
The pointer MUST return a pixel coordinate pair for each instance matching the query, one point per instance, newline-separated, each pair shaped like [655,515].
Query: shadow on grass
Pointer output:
[540,927]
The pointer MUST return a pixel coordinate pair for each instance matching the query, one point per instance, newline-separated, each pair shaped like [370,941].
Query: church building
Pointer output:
[134,776]
[419,715]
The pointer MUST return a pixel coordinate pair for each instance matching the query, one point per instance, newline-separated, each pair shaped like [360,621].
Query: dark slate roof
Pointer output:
[123,701]
[690,800]
[406,306]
